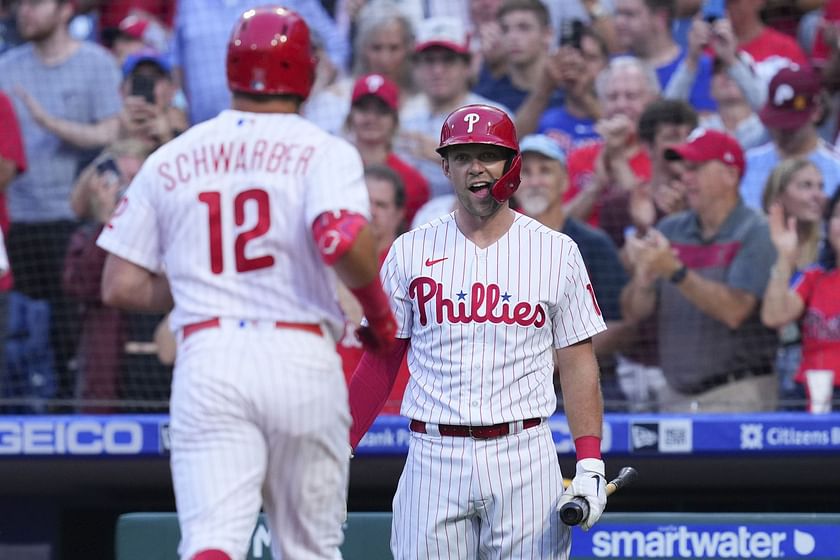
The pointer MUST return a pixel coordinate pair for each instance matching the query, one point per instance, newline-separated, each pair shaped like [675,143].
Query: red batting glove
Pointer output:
[378,335]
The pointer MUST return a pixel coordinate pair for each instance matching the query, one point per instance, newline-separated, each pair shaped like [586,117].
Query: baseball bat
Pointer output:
[575,511]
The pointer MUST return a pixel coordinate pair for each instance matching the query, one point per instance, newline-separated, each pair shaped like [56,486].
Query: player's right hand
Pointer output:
[589,483]
[378,335]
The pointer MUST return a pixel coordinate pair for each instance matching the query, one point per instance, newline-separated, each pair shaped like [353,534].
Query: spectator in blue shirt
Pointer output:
[526,38]
[572,69]
[790,115]
[202,29]
[643,28]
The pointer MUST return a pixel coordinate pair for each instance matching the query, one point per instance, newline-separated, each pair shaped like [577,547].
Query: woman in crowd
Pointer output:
[796,188]
[383,44]
[807,296]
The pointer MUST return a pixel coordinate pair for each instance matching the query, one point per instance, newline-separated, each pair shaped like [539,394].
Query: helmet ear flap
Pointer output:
[507,184]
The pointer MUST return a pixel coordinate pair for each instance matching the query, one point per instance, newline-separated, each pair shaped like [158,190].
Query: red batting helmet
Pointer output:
[483,124]
[269,53]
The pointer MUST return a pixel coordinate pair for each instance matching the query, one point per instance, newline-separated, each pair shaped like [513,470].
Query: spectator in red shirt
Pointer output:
[770,50]
[12,158]
[371,126]
[625,87]
[12,162]
[810,296]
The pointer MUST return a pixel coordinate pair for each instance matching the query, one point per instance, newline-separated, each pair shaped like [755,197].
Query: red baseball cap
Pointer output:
[379,86]
[792,98]
[705,145]
[134,26]
[444,32]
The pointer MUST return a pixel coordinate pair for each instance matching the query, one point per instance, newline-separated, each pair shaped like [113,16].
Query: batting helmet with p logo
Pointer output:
[483,124]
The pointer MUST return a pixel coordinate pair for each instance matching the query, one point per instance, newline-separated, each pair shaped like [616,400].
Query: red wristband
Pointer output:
[373,299]
[588,447]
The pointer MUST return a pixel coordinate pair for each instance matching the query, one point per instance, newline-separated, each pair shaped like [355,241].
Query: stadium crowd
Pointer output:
[687,146]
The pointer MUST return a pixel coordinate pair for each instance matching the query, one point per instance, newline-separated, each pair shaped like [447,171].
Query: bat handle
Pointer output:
[574,511]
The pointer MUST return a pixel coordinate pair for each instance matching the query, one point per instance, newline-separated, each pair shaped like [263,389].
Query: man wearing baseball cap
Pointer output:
[703,272]
[790,115]
[442,70]
[372,124]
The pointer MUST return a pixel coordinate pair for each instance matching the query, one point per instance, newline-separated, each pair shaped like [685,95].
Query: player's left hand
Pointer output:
[589,483]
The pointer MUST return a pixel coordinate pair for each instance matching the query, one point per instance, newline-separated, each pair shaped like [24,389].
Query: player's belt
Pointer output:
[216,322]
[475,432]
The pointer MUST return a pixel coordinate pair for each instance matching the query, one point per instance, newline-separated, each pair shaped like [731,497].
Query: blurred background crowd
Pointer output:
[714,264]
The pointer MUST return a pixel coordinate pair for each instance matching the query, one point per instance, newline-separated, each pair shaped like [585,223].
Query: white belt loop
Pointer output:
[432,430]
[516,426]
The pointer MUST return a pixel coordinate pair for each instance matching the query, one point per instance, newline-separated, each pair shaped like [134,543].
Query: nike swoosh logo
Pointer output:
[432,262]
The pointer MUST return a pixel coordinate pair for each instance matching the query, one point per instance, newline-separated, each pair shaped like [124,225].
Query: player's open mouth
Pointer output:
[481,190]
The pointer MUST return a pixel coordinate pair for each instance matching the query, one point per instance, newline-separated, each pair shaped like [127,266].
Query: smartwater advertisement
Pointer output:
[816,537]
[707,540]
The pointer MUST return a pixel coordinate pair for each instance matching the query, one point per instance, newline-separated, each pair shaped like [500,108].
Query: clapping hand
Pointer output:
[724,42]
[617,132]
[103,195]
[783,233]
[652,256]
[39,114]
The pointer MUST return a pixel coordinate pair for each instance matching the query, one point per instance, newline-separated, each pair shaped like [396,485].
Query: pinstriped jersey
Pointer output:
[226,210]
[483,323]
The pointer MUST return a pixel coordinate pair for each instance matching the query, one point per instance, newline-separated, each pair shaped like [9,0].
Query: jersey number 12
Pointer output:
[213,200]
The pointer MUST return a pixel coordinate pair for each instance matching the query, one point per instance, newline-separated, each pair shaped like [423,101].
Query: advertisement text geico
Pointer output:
[70,437]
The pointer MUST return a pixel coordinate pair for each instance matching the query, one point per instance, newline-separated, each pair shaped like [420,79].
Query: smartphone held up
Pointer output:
[143,85]
[713,10]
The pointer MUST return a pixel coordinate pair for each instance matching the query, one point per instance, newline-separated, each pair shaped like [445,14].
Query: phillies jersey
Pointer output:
[234,198]
[483,323]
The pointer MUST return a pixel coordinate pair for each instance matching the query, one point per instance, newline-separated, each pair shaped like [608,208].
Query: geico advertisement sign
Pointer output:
[70,437]
[707,541]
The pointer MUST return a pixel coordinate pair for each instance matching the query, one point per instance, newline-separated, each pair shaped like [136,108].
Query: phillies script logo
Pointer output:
[425,290]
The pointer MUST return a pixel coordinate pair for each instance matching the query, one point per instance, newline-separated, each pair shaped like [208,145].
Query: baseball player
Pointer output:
[243,213]
[485,299]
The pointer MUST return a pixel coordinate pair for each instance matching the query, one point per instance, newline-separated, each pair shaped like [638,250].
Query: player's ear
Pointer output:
[444,164]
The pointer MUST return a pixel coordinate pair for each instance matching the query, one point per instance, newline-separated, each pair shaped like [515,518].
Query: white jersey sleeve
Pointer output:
[577,315]
[132,233]
[337,182]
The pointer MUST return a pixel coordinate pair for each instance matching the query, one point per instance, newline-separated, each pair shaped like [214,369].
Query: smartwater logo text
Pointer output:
[708,541]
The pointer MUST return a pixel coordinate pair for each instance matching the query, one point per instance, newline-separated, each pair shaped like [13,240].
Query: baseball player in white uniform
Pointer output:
[243,213]
[485,298]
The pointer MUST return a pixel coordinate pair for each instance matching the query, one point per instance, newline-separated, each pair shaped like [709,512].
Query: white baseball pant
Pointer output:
[259,415]
[460,498]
